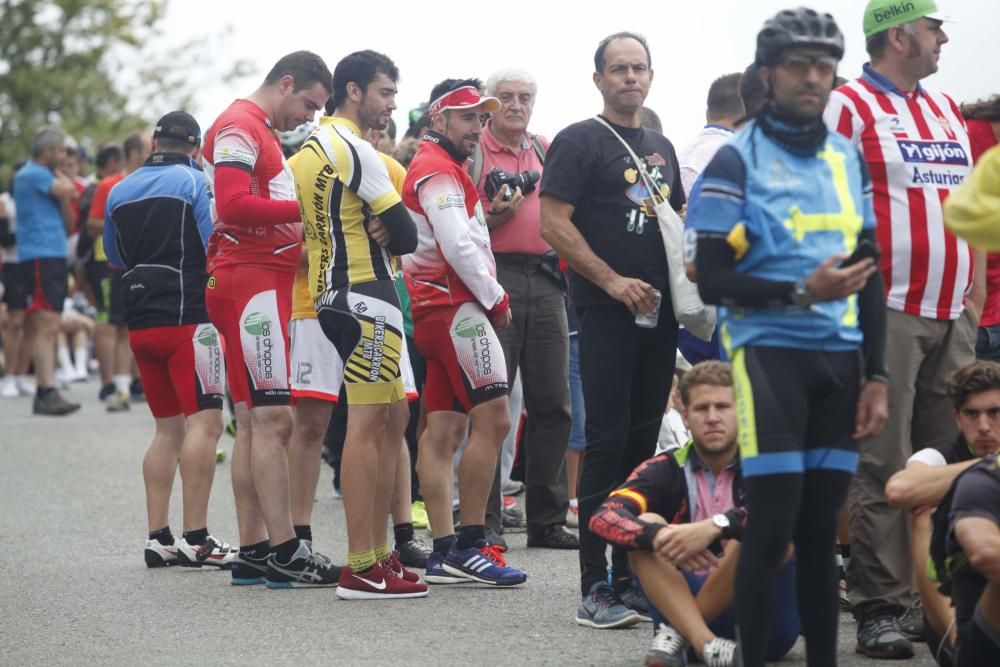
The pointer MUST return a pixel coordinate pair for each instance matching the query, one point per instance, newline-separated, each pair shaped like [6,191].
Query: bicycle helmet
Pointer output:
[798,27]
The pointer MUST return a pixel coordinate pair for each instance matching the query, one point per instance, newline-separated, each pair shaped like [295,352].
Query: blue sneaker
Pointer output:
[484,563]
[603,609]
[634,598]
[435,574]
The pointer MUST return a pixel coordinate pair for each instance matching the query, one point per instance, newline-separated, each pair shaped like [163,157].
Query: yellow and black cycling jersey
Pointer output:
[341,183]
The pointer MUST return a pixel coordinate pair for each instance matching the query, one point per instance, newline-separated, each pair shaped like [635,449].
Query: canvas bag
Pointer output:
[689,309]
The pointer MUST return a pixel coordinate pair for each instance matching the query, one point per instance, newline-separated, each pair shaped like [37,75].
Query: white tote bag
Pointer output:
[689,309]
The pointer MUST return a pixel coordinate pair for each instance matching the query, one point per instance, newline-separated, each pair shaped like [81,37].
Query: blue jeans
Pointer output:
[578,434]
[988,343]
[784,620]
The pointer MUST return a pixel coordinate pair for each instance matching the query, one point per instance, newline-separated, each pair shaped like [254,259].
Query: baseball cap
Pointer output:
[464,98]
[881,15]
[179,126]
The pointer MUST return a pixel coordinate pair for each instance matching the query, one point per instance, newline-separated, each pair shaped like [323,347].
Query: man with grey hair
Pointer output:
[506,168]
[44,199]
[917,149]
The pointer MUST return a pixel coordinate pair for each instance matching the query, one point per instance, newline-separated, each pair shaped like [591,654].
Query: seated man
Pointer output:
[676,512]
[970,559]
[975,393]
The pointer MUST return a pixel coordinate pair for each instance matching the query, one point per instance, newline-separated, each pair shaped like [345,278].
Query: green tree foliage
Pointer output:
[97,68]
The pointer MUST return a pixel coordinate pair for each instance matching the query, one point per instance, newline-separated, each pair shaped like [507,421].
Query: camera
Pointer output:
[497,178]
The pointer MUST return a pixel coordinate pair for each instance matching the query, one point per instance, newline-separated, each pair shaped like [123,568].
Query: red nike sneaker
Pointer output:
[377,583]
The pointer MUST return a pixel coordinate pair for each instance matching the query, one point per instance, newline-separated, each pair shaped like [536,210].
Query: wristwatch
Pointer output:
[721,521]
[800,293]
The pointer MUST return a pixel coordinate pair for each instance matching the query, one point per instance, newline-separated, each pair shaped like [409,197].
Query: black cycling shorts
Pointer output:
[15,290]
[796,409]
[46,282]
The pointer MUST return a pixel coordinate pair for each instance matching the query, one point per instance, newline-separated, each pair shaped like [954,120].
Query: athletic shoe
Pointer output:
[413,553]
[512,488]
[377,584]
[912,621]
[106,391]
[554,536]
[634,598]
[118,402]
[572,517]
[211,552]
[842,596]
[304,570]
[879,636]
[158,554]
[53,405]
[669,648]
[512,519]
[435,573]
[394,565]
[720,652]
[494,538]
[26,385]
[135,390]
[418,514]
[484,563]
[508,501]
[603,609]
[248,570]
[9,388]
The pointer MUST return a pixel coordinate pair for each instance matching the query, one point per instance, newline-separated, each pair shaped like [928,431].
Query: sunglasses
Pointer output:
[800,63]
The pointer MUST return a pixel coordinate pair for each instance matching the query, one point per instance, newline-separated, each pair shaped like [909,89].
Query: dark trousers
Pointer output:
[626,372]
[536,345]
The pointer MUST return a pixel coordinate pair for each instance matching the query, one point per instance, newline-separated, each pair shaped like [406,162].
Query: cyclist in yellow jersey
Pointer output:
[341,184]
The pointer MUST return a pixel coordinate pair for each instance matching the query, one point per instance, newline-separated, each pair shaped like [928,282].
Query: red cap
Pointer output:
[464,98]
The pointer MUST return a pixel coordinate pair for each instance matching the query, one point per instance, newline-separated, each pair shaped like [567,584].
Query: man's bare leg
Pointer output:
[490,424]
[938,612]
[305,453]
[402,504]
[435,452]
[159,466]
[197,463]
[46,325]
[249,519]
[271,429]
[397,416]
[366,430]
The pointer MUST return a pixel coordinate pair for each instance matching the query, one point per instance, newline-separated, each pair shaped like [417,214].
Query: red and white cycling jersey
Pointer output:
[453,262]
[917,149]
[243,137]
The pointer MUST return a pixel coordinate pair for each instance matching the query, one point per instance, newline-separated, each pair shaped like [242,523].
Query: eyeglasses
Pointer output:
[972,414]
[800,63]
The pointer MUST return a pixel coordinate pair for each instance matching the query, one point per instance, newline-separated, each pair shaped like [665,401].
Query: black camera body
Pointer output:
[497,178]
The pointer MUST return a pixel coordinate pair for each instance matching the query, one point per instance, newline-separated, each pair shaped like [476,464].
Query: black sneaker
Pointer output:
[912,621]
[635,599]
[53,405]
[879,636]
[413,553]
[135,390]
[512,519]
[304,570]
[106,390]
[247,570]
[553,537]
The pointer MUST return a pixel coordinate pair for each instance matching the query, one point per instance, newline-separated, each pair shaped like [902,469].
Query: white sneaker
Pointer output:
[212,552]
[669,648]
[26,385]
[160,555]
[9,388]
[720,653]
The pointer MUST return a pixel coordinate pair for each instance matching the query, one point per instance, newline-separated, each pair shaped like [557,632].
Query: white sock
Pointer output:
[122,383]
[573,503]
[80,356]
[64,360]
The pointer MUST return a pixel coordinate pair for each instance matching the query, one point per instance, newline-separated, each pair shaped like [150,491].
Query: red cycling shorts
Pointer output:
[182,368]
[465,363]
[251,307]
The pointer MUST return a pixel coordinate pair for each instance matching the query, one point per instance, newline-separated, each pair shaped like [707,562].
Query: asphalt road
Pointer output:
[74,588]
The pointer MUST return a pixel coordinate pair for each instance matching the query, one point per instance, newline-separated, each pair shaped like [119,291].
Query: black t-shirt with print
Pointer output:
[588,167]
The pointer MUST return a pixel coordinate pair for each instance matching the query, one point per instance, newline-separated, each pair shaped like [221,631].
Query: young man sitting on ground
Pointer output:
[681,512]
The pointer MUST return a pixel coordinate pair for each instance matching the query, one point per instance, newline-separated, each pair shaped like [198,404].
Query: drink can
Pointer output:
[650,321]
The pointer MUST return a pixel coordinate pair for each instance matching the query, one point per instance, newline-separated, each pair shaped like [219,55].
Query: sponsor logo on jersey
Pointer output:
[475,330]
[207,336]
[257,324]
[933,152]
[450,201]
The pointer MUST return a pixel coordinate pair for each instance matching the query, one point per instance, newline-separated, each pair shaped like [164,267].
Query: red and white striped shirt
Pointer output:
[917,149]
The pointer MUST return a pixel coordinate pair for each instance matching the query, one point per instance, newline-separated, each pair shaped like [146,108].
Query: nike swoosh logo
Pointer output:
[380,586]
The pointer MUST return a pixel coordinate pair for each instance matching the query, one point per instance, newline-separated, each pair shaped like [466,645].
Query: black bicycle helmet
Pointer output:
[798,27]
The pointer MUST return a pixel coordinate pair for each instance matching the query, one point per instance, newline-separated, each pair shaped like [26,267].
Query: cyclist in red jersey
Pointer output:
[253,254]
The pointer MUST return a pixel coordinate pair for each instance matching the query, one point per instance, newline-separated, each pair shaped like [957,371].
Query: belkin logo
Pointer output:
[893,11]
[933,152]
